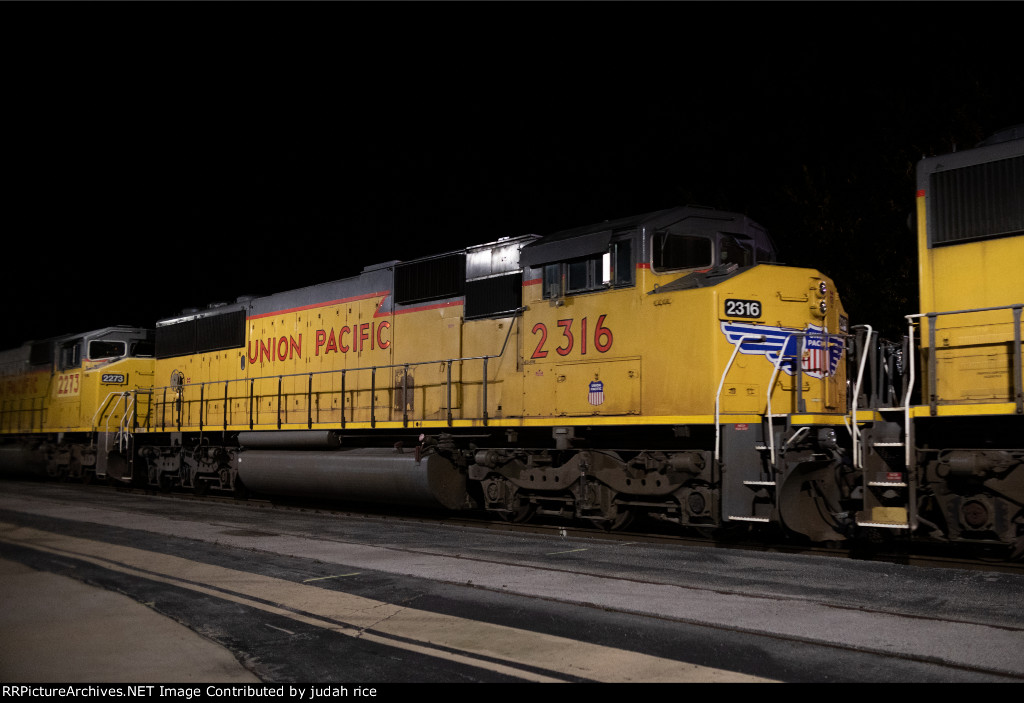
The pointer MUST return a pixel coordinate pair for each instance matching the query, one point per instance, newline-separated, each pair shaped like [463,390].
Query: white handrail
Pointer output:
[99,409]
[126,419]
[721,384]
[911,369]
[855,431]
[125,416]
[768,409]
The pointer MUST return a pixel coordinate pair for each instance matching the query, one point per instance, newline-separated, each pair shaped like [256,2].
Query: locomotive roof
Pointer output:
[482,260]
[595,238]
[499,256]
[112,330]
[659,219]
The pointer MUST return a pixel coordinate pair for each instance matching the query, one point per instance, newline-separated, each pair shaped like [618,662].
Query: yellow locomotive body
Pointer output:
[595,373]
[653,352]
[971,254]
[662,364]
[964,434]
[68,402]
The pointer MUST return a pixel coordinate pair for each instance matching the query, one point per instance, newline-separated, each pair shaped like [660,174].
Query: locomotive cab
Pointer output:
[673,241]
[639,340]
[702,242]
[66,401]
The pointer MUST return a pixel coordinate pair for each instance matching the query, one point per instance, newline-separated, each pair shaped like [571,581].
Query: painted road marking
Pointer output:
[531,656]
[338,576]
[567,551]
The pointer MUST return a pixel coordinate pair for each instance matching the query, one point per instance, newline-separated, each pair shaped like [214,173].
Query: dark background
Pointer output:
[161,156]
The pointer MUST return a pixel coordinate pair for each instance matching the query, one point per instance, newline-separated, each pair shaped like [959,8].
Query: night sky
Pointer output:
[161,156]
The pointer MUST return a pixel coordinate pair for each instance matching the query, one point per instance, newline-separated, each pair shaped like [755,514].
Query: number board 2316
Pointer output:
[735,307]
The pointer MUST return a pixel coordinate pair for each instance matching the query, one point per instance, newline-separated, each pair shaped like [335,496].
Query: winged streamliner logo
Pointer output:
[820,351]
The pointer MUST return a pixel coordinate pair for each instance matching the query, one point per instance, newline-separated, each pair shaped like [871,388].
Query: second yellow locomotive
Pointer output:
[68,405]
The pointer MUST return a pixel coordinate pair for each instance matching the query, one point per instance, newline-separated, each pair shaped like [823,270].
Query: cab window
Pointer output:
[102,349]
[552,280]
[612,269]
[582,275]
[733,251]
[143,347]
[680,251]
[71,355]
[619,265]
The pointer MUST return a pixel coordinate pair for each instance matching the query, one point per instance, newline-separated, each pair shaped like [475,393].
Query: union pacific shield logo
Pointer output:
[819,351]
[596,393]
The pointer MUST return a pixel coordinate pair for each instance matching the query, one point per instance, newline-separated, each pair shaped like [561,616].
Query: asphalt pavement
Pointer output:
[98,586]
[81,633]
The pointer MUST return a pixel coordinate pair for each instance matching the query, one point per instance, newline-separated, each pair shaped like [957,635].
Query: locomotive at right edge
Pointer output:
[663,365]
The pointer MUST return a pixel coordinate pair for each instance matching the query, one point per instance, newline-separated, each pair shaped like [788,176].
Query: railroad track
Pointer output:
[908,553]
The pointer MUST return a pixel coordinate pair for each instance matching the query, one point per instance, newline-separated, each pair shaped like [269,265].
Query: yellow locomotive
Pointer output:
[662,365]
[70,404]
[964,436]
[659,364]
[939,446]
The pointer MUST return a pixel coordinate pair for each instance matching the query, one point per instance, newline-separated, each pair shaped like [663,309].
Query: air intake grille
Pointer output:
[225,331]
[977,202]
[431,279]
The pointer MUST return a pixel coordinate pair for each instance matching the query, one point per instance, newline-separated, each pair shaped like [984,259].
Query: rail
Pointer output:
[127,420]
[799,405]
[333,381]
[105,406]
[768,415]
[852,426]
[721,384]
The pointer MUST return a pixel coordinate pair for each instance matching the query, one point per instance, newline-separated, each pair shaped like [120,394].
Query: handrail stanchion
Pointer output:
[718,426]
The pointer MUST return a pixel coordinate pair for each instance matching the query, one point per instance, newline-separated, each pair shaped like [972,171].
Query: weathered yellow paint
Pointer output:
[86,398]
[964,409]
[889,516]
[822,419]
[973,350]
[632,355]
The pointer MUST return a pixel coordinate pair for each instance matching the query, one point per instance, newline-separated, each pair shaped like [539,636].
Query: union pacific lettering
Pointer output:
[354,338]
[280,349]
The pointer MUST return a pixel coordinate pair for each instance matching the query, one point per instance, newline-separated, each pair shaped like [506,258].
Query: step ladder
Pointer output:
[887,502]
[758,485]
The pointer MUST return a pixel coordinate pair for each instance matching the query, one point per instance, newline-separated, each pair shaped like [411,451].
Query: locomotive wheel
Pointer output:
[522,512]
[621,521]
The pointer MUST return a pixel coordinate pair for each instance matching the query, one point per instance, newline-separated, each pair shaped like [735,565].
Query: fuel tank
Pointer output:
[367,475]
